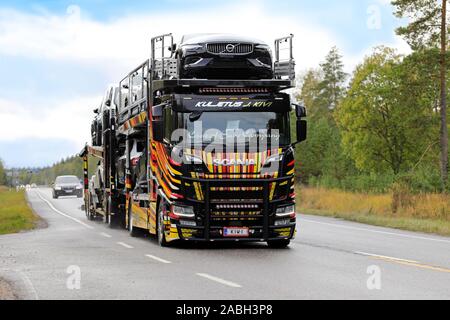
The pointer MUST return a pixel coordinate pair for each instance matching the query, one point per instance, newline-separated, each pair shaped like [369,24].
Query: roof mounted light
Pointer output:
[233,90]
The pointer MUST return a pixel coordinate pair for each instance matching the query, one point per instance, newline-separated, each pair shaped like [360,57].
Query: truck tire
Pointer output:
[132,230]
[160,226]
[278,244]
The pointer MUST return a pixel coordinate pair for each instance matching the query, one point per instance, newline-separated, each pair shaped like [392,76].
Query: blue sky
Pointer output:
[56,57]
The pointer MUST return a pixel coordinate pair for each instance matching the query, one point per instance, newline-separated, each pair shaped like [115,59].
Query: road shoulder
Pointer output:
[6,291]
[40,222]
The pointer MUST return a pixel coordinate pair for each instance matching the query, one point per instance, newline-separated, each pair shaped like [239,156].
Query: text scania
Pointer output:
[233,162]
[234,104]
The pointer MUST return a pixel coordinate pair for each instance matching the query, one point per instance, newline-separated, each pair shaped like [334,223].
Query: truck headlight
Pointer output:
[192,159]
[192,47]
[183,211]
[264,47]
[286,211]
[282,222]
[276,158]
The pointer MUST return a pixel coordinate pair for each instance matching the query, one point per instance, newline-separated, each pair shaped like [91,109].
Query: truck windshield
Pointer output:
[245,126]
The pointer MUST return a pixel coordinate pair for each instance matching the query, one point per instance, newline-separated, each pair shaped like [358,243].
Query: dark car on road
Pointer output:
[224,56]
[67,186]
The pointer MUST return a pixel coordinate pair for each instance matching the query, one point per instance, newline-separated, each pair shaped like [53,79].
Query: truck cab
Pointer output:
[228,158]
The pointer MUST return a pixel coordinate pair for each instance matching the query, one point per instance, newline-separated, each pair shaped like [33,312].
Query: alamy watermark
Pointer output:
[374,280]
[73,281]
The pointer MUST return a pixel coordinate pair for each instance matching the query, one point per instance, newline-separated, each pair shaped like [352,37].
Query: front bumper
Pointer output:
[209,225]
[189,233]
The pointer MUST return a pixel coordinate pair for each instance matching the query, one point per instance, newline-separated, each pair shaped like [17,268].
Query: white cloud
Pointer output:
[125,41]
[70,121]
[351,61]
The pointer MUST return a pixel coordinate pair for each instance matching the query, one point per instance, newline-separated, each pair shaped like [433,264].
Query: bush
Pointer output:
[424,179]
[357,183]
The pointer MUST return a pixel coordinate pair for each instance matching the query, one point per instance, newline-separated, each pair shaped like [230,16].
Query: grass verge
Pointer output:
[15,214]
[429,213]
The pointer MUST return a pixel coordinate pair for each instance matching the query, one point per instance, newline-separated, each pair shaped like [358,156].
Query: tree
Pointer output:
[381,128]
[332,85]
[427,28]
[310,94]
[321,154]
[424,28]
[2,174]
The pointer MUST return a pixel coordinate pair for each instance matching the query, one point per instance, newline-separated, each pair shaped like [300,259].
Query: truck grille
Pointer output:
[229,48]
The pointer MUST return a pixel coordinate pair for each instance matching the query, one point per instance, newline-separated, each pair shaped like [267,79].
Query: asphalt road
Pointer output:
[330,259]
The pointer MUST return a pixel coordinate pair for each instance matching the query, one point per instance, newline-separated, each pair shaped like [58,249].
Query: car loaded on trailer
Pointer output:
[195,143]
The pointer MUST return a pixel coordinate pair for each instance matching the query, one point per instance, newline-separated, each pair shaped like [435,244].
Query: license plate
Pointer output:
[235,232]
[69,191]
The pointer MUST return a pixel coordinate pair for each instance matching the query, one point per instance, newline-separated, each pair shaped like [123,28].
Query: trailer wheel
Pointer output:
[160,226]
[106,218]
[278,244]
[88,205]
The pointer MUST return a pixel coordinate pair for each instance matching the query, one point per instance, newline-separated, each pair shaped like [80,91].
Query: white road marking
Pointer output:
[157,258]
[219,280]
[410,263]
[105,235]
[29,285]
[375,231]
[63,214]
[123,244]
[383,257]
[30,290]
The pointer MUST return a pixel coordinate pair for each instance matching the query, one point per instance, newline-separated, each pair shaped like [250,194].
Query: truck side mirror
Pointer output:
[158,130]
[300,111]
[96,111]
[302,129]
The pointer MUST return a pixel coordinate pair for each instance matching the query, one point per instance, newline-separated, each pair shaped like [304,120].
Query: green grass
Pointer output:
[428,213]
[15,214]
[440,227]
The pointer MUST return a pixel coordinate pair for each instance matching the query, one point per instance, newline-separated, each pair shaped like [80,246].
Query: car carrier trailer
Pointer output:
[180,191]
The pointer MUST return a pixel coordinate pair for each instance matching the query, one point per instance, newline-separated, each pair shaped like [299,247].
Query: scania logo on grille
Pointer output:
[230,47]
[233,162]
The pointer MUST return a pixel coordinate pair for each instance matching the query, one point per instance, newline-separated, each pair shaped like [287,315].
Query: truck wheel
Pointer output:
[278,244]
[132,230]
[160,226]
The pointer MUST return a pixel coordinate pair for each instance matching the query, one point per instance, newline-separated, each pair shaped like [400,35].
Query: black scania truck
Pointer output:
[198,144]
